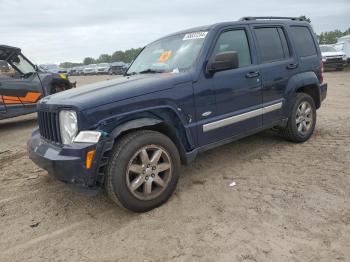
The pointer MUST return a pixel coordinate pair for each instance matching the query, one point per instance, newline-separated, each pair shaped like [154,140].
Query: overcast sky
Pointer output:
[50,31]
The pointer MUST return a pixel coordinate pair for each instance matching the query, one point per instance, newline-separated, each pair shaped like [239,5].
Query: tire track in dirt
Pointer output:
[9,157]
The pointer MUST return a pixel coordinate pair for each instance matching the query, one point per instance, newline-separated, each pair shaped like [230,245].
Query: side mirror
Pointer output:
[223,61]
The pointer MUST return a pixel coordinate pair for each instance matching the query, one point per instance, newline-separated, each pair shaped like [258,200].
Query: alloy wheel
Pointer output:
[304,117]
[149,172]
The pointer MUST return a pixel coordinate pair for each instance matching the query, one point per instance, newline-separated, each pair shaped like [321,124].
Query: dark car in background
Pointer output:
[23,84]
[117,68]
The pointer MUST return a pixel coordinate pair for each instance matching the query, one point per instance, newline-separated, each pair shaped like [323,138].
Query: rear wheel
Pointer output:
[301,123]
[143,171]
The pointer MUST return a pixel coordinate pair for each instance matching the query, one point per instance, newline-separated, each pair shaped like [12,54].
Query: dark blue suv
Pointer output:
[184,93]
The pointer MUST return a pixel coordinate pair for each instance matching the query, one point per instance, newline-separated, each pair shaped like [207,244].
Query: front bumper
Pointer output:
[334,64]
[323,91]
[66,163]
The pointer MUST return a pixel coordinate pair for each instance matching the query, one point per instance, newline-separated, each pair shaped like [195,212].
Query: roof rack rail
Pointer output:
[247,18]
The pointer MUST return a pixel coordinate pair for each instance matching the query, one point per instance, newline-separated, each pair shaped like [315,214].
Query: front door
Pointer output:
[236,93]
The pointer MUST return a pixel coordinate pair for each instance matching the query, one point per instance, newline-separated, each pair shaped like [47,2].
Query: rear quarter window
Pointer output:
[304,42]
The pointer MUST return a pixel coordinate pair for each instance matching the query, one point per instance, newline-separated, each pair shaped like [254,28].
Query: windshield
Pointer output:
[327,49]
[22,64]
[175,54]
[339,47]
[103,65]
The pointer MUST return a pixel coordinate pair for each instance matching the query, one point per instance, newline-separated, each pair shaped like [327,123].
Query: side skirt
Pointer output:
[191,156]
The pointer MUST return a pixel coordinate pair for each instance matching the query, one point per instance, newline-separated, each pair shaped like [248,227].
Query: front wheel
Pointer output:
[143,170]
[302,121]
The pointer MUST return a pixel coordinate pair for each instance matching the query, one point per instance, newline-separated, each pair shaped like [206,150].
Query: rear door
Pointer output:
[277,65]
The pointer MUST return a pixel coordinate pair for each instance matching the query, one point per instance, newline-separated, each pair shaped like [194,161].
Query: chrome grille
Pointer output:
[49,126]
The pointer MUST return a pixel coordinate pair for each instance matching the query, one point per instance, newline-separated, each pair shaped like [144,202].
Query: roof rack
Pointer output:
[247,18]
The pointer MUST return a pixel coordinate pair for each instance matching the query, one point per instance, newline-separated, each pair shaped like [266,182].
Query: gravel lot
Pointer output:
[291,201]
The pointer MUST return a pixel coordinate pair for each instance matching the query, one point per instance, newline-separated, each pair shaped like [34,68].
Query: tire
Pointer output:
[131,181]
[293,132]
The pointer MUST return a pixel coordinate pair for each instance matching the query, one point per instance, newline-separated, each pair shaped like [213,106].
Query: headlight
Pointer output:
[68,126]
[324,58]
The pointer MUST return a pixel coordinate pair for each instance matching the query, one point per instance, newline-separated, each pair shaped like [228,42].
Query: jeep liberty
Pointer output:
[185,93]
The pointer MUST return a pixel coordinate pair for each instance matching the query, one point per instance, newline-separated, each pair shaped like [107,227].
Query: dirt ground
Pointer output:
[291,202]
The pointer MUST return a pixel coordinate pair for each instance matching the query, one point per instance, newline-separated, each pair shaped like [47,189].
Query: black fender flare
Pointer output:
[134,124]
[186,157]
[299,81]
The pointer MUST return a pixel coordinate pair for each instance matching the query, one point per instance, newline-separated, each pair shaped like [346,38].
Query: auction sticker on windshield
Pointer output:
[195,35]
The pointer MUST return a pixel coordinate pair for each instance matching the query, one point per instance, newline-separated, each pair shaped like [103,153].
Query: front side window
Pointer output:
[235,40]
[272,44]
[22,64]
[175,54]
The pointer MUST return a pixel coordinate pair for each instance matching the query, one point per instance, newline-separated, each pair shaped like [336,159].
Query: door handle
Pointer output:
[252,74]
[292,66]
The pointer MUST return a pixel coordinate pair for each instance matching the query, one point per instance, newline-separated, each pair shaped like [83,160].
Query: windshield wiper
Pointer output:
[147,71]
[151,71]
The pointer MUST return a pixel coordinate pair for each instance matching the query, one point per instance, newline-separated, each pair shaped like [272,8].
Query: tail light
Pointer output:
[321,74]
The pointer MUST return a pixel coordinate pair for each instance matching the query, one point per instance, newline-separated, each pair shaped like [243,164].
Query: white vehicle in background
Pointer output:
[90,69]
[331,58]
[343,44]
[102,68]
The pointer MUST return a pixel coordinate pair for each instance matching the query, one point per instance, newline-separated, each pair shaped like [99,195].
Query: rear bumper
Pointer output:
[66,163]
[323,91]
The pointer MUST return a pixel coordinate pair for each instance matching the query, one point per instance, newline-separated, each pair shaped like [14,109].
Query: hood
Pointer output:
[101,93]
[338,53]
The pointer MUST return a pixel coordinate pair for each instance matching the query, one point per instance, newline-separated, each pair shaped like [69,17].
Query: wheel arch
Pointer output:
[306,82]
[165,121]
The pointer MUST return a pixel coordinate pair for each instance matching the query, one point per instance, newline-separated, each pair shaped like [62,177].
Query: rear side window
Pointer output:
[303,41]
[235,40]
[272,44]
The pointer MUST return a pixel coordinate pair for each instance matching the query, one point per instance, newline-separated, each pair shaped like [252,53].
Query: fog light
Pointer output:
[89,158]
[87,137]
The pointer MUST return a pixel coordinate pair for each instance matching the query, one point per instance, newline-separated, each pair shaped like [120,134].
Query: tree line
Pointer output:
[328,38]
[126,56]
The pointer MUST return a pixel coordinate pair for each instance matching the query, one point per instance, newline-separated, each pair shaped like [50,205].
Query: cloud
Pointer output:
[55,31]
